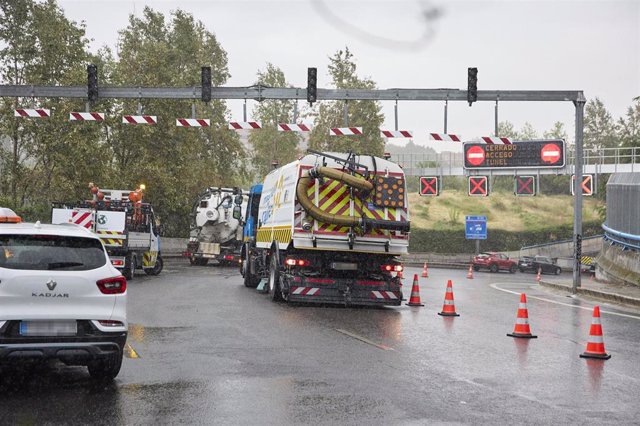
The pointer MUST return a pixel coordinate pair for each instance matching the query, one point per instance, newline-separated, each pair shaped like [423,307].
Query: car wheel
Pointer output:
[521,269]
[249,279]
[476,268]
[493,268]
[106,369]
[157,268]
[274,279]
[558,270]
[513,269]
[129,267]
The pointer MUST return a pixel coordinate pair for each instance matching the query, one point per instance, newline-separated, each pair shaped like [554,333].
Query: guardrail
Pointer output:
[627,241]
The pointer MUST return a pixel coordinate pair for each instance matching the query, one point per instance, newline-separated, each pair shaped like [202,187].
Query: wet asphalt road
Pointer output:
[203,349]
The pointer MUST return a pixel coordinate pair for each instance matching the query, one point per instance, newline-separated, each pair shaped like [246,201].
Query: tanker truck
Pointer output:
[328,228]
[216,227]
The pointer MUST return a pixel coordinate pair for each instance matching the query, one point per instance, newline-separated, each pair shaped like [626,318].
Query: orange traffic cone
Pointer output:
[449,307]
[414,300]
[538,277]
[425,270]
[595,345]
[522,321]
[470,273]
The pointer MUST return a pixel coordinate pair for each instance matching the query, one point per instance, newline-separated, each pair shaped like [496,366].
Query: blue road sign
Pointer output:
[475,227]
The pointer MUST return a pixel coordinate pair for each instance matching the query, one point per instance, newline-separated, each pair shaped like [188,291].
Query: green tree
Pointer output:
[506,129]
[365,114]
[599,128]
[41,46]
[556,132]
[629,126]
[175,163]
[268,144]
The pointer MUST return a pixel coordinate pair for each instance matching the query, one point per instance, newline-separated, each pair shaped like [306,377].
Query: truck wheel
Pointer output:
[493,268]
[157,268]
[249,280]
[274,279]
[193,261]
[129,266]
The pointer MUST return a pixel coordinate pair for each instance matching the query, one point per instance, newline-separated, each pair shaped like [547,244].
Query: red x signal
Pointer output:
[478,186]
[525,185]
[429,185]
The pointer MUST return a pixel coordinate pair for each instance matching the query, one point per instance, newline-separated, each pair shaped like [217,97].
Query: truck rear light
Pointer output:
[300,263]
[111,323]
[186,254]
[117,262]
[392,268]
[115,285]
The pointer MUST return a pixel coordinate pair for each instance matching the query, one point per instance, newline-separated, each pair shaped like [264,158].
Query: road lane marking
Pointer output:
[495,286]
[364,340]
[129,352]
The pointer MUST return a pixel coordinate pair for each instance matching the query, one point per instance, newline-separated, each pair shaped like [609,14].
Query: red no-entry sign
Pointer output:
[475,155]
[550,153]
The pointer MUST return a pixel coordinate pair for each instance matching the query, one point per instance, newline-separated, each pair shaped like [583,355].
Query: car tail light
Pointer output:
[392,268]
[111,323]
[300,263]
[228,257]
[115,285]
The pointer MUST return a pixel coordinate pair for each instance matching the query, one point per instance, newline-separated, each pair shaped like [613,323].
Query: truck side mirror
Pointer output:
[238,200]
[237,214]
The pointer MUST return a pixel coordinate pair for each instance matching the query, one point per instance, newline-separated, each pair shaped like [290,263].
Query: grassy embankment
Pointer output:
[503,210]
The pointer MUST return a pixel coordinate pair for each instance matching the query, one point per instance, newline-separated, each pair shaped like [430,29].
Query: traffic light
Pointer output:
[587,185]
[525,185]
[312,85]
[92,83]
[472,86]
[478,186]
[429,186]
[205,76]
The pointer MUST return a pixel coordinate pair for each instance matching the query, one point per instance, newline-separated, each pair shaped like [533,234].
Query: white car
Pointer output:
[60,297]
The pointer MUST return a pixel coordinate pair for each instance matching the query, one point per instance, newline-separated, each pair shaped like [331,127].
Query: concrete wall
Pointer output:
[618,266]
[173,246]
[564,249]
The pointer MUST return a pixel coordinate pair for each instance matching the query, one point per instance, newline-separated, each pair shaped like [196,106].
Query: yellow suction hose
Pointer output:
[354,182]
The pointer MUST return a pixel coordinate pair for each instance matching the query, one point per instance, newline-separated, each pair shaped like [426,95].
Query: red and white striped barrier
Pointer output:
[491,140]
[244,125]
[389,295]
[193,122]
[285,127]
[140,119]
[305,291]
[82,218]
[86,116]
[345,131]
[32,113]
[396,133]
[444,137]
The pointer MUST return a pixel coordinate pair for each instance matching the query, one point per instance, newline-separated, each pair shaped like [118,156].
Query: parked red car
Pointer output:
[494,262]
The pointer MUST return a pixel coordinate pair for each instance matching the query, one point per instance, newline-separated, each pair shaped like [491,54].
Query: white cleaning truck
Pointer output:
[328,228]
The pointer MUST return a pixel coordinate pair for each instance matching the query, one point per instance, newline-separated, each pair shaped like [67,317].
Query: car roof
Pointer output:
[37,228]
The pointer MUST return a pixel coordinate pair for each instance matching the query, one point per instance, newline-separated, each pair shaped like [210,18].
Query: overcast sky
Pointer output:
[516,45]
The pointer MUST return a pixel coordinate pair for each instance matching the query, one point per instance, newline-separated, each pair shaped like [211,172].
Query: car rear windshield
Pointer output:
[51,252]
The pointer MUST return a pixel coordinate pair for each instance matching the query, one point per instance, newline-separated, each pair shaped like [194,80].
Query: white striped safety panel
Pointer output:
[305,291]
